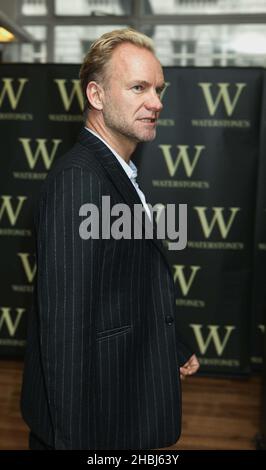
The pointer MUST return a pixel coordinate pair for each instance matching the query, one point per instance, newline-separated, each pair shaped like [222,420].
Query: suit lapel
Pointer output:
[119,179]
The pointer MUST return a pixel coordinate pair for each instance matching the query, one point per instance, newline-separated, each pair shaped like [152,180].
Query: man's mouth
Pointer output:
[148,120]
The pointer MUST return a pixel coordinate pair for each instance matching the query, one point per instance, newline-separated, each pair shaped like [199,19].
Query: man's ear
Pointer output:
[94,94]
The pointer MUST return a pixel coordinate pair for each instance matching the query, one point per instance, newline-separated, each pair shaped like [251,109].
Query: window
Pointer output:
[183,7]
[92,7]
[202,39]
[70,41]
[34,7]
[184,52]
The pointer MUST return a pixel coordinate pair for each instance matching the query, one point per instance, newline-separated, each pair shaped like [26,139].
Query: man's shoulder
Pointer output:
[77,157]
[74,166]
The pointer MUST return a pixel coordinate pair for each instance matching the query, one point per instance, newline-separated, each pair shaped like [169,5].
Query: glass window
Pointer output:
[185,7]
[34,7]
[38,32]
[72,42]
[28,52]
[192,44]
[36,52]
[210,45]
[93,7]
[184,52]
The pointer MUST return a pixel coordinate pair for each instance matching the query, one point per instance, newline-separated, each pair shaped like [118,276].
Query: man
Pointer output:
[101,369]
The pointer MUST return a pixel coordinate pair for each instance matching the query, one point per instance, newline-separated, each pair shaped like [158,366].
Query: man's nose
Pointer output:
[154,103]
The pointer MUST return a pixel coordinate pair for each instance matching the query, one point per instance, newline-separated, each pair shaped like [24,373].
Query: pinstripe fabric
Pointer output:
[101,366]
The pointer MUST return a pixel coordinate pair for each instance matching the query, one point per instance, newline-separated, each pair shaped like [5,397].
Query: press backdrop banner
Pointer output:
[259,277]
[40,117]
[206,155]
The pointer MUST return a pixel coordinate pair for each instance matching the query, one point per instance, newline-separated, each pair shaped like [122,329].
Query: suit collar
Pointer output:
[110,163]
[129,168]
[119,178]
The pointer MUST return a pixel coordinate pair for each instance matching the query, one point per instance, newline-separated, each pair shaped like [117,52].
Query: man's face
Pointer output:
[132,87]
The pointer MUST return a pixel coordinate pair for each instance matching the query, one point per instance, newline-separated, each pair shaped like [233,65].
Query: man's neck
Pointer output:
[119,143]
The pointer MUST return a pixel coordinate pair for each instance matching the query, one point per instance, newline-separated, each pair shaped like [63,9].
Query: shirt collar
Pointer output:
[130,168]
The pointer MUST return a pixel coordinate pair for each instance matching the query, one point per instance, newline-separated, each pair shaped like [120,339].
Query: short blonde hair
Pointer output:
[100,52]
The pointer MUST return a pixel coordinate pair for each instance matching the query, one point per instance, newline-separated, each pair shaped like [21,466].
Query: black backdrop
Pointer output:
[209,154]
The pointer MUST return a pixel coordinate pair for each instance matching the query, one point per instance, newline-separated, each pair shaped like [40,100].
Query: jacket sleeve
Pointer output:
[68,292]
[184,351]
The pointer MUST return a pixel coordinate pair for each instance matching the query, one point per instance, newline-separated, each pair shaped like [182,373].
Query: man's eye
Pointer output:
[137,87]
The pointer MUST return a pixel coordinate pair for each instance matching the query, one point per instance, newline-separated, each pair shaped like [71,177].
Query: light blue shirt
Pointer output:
[130,169]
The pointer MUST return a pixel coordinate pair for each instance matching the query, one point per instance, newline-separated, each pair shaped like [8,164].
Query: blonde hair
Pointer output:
[100,52]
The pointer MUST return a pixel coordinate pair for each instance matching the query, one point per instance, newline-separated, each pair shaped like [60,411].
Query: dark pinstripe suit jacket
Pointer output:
[101,366]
